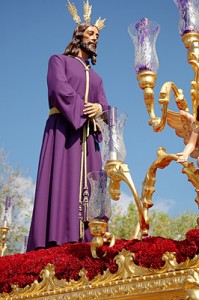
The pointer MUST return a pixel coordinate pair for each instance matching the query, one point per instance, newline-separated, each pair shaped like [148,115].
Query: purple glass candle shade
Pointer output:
[144,34]
[189,15]
[99,207]
[112,123]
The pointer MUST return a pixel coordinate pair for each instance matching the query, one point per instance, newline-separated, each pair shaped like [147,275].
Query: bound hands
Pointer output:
[92,109]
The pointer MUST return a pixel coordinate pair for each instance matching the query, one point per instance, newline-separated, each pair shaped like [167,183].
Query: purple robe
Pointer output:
[55,218]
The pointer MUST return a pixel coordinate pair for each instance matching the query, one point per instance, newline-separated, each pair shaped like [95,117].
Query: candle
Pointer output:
[8,200]
[25,242]
[5,221]
[113,134]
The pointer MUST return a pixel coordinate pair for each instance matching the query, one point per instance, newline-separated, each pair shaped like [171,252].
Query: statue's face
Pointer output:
[90,38]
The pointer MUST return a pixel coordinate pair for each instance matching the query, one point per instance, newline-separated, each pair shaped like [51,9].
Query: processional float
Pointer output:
[144,34]
[174,280]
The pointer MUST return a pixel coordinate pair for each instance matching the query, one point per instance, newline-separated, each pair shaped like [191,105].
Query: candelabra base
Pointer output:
[98,229]
[190,37]
[3,246]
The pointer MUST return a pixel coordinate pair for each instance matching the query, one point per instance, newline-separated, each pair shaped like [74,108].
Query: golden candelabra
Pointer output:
[144,34]
[177,121]
[147,80]
[146,67]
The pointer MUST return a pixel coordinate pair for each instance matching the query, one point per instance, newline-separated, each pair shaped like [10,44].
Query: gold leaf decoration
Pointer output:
[73,11]
[87,12]
[100,23]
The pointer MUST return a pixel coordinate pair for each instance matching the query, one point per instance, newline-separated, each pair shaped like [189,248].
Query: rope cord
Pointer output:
[83,191]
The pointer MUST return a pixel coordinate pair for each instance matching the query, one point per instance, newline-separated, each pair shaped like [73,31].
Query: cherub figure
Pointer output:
[191,137]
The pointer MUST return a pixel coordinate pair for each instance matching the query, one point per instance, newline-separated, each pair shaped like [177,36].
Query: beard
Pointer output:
[88,49]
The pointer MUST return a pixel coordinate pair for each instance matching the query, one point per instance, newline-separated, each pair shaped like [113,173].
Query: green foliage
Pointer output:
[163,225]
[123,223]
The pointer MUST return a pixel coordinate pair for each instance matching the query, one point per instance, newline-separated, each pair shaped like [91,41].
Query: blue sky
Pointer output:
[31,31]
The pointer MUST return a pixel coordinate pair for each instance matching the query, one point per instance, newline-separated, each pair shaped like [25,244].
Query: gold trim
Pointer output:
[53,111]
[190,37]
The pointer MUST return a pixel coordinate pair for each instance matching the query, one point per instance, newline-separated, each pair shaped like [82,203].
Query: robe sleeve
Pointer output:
[62,95]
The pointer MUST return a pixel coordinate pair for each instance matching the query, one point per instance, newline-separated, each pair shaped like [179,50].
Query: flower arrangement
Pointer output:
[69,259]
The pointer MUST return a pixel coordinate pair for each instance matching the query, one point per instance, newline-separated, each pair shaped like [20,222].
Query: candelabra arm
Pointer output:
[193,59]
[96,243]
[117,172]
[148,189]
[146,81]
[162,161]
[195,96]
[109,238]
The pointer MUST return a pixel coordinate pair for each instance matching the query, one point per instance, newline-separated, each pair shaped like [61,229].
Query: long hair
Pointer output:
[74,46]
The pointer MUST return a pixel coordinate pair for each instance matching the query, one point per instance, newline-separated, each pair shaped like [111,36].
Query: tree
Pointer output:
[123,223]
[20,189]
